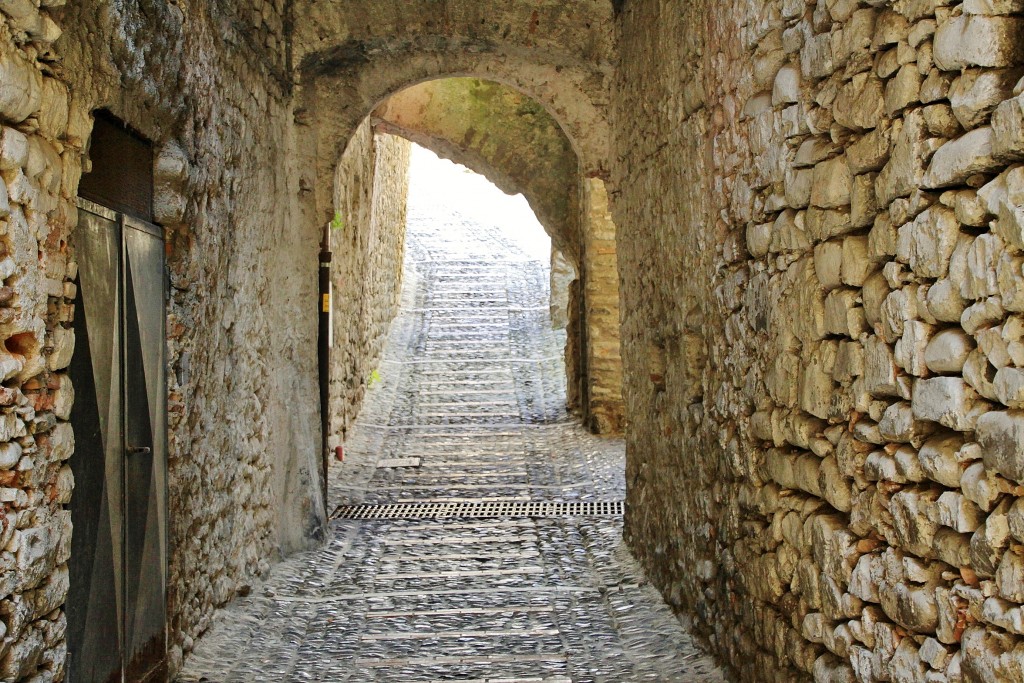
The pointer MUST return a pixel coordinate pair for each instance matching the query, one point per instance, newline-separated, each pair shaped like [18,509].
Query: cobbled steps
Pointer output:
[469,414]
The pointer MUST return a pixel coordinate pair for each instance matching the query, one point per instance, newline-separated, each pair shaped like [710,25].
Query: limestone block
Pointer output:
[830,186]
[21,87]
[969,208]
[906,663]
[978,40]
[1004,614]
[981,314]
[904,171]
[910,348]
[13,149]
[950,401]
[990,540]
[1010,279]
[875,291]
[881,374]
[789,232]
[902,90]
[816,57]
[63,348]
[1009,386]
[941,121]
[871,151]
[814,150]
[936,86]
[858,28]
[1010,577]
[828,261]
[977,372]
[898,308]
[10,454]
[1015,519]
[786,88]
[63,398]
[890,28]
[947,351]
[882,239]
[982,259]
[849,362]
[816,387]
[908,465]
[834,487]
[825,223]
[856,263]
[759,239]
[1004,198]
[793,471]
[959,159]
[976,93]
[939,461]
[993,6]
[62,442]
[955,511]
[863,206]
[1008,129]
[991,656]
[798,187]
[912,607]
[843,315]
[899,424]
[860,103]
[1001,436]
[995,348]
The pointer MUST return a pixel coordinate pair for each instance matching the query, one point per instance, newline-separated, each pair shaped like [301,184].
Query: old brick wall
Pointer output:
[366,272]
[820,244]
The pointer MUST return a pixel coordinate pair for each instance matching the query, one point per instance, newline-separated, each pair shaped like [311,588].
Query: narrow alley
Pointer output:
[526,578]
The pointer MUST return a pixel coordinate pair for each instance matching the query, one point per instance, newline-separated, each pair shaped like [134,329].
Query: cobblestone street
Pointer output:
[468,408]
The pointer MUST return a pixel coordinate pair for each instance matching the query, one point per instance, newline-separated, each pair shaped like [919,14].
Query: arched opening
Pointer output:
[514,142]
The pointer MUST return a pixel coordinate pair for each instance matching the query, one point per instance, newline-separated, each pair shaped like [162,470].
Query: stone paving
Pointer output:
[469,406]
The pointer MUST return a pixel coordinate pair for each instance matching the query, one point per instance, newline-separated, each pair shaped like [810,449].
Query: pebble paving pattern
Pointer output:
[469,407]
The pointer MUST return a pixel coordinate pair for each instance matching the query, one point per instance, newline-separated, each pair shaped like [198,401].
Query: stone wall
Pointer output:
[821,250]
[244,427]
[366,273]
[605,412]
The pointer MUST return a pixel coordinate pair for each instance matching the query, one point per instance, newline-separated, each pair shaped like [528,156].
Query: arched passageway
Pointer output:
[477,539]
[818,249]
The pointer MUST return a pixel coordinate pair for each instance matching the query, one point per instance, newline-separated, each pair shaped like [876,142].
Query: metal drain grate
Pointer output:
[481,510]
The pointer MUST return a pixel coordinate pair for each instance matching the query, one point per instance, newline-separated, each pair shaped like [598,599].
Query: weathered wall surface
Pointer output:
[500,133]
[821,249]
[605,411]
[36,397]
[366,272]
[559,54]
[204,83]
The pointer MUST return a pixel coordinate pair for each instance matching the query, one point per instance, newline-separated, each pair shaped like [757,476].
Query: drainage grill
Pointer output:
[480,510]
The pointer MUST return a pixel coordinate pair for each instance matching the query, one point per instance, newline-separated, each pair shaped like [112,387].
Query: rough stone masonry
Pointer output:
[822,330]
[820,249]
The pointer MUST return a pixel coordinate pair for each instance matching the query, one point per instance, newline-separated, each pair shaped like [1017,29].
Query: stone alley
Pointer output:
[469,409]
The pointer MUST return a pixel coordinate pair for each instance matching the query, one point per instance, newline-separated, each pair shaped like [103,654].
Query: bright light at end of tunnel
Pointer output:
[433,180]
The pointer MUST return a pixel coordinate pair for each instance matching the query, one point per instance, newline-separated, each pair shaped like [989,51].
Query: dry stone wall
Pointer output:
[821,251]
[366,273]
